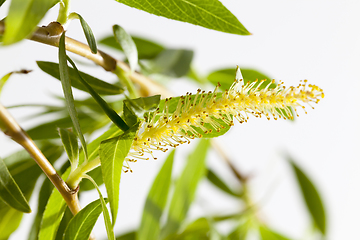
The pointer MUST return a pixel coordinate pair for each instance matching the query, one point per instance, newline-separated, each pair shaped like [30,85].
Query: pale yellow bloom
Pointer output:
[164,129]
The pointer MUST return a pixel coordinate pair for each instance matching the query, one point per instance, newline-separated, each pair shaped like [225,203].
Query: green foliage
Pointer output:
[23,17]
[71,146]
[101,87]
[10,192]
[156,202]
[146,49]
[216,181]
[82,223]
[90,38]
[69,98]
[210,14]
[127,45]
[311,196]
[54,211]
[185,188]
[112,155]
[268,234]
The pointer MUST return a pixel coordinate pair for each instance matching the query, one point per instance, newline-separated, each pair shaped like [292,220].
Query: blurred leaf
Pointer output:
[185,189]
[83,222]
[1,2]
[63,224]
[53,214]
[25,172]
[156,202]
[112,155]
[109,227]
[49,130]
[214,179]
[71,146]
[98,85]
[23,17]
[127,236]
[10,191]
[44,194]
[146,48]
[267,234]
[5,78]
[90,38]
[311,197]
[239,233]
[197,230]
[143,104]
[173,62]
[114,117]
[209,14]
[128,46]
[69,98]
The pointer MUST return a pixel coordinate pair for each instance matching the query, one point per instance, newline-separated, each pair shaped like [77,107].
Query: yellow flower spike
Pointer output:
[164,129]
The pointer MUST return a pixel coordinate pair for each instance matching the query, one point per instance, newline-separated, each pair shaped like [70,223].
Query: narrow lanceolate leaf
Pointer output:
[210,14]
[88,34]
[214,179]
[185,189]
[66,85]
[23,17]
[53,214]
[112,155]
[10,191]
[82,223]
[128,46]
[109,228]
[155,202]
[101,87]
[114,117]
[71,146]
[311,197]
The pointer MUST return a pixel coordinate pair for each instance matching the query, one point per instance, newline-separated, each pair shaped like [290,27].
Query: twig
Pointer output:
[11,128]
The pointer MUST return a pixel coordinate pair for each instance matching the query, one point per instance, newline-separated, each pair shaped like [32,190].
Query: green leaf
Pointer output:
[127,236]
[197,230]
[240,232]
[311,197]
[268,234]
[1,2]
[63,224]
[173,62]
[10,191]
[214,179]
[44,194]
[83,222]
[109,228]
[5,78]
[128,46]
[71,146]
[146,49]
[49,130]
[25,173]
[156,202]
[23,17]
[185,189]
[69,98]
[98,85]
[90,38]
[112,155]
[209,14]
[142,105]
[53,214]
[114,117]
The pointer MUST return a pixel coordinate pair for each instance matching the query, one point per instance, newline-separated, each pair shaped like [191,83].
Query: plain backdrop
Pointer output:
[290,41]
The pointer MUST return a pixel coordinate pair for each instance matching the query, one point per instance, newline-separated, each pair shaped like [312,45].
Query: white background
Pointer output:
[292,40]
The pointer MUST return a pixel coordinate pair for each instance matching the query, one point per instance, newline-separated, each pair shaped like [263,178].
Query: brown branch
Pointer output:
[11,128]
